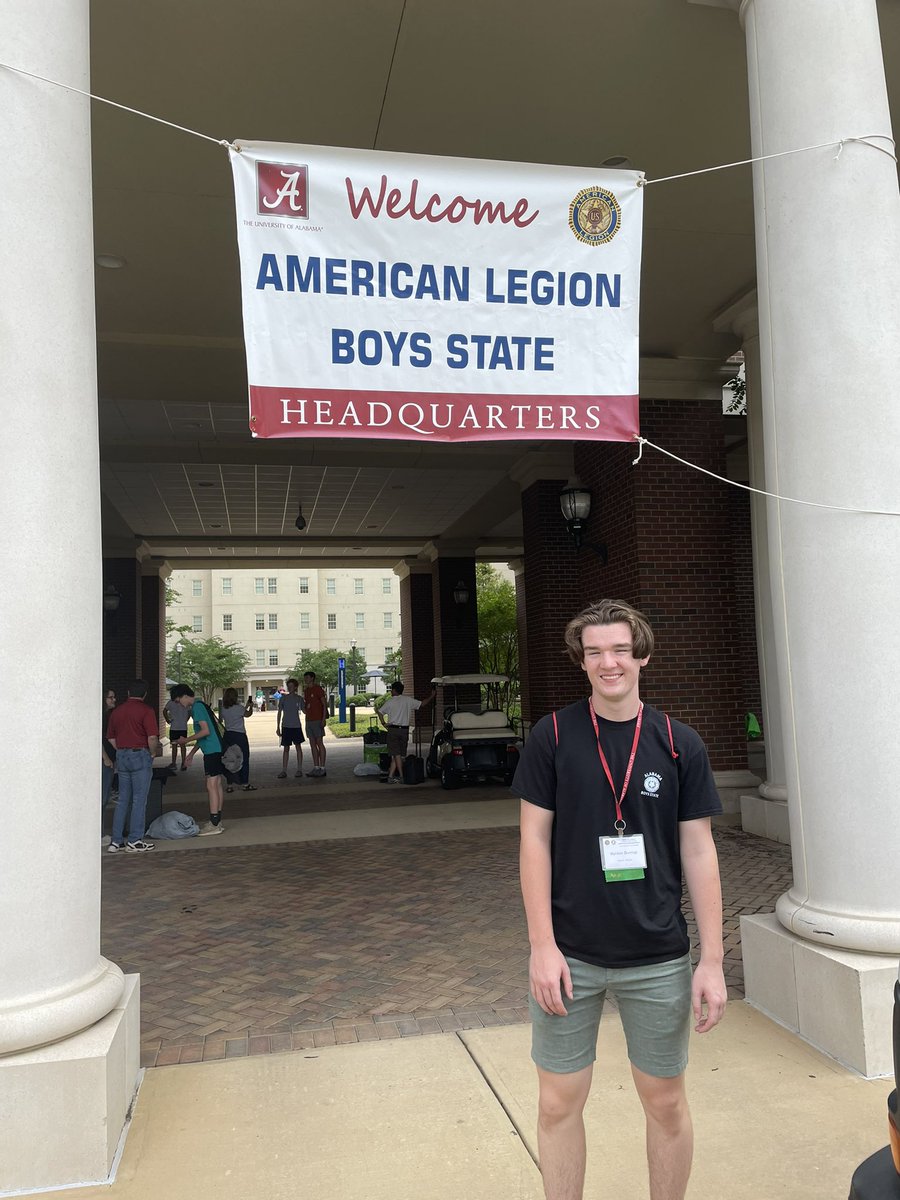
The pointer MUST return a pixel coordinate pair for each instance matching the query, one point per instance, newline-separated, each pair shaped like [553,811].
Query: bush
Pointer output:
[360,700]
[343,731]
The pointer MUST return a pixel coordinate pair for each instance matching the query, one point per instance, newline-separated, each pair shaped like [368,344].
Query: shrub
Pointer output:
[359,700]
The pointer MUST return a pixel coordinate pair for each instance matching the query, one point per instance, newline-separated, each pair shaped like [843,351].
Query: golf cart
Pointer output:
[475,742]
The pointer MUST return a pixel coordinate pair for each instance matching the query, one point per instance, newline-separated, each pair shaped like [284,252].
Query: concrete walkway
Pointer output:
[372,916]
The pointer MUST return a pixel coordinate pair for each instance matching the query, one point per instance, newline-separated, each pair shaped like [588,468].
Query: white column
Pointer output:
[54,983]
[828,257]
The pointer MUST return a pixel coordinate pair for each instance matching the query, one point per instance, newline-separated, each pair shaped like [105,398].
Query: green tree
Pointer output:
[208,665]
[173,597]
[498,639]
[324,663]
[393,666]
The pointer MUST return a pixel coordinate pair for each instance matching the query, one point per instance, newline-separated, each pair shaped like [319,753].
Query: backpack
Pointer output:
[215,725]
[232,758]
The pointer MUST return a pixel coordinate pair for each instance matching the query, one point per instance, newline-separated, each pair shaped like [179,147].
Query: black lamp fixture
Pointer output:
[111,598]
[460,594]
[301,520]
[575,503]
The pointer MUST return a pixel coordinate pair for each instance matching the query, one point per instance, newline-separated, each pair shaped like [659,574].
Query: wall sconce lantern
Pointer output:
[575,503]
[111,598]
[460,594]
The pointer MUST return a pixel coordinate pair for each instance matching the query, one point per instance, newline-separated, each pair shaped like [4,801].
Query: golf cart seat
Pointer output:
[485,726]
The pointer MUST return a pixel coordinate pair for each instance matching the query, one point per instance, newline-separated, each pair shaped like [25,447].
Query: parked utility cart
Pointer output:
[476,741]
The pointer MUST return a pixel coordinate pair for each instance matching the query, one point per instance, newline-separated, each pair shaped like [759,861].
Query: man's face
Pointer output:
[186,701]
[308,680]
[609,662]
[110,699]
[292,687]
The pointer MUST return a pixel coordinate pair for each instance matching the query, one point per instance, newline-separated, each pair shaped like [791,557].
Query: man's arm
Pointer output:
[700,864]
[278,721]
[548,968]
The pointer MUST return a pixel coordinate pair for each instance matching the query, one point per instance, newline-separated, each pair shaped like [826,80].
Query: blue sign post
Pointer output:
[342,690]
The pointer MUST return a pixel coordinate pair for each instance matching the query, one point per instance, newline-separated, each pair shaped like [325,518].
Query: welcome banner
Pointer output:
[444,299]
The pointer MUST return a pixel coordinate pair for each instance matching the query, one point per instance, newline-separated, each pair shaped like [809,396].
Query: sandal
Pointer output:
[248,787]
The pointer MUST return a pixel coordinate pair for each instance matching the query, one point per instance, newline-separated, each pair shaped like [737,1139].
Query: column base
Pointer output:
[839,1001]
[766,818]
[731,784]
[63,1107]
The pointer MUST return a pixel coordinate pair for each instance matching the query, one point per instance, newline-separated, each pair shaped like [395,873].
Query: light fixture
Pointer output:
[460,594]
[575,503]
[111,598]
[112,262]
[301,520]
[618,162]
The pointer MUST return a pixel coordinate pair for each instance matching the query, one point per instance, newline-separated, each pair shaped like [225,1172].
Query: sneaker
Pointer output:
[208,830]
[105,841]
[394,779]
[322,771]
[298,774]
[282,774]
[115,847]
[313,772]
[138,847]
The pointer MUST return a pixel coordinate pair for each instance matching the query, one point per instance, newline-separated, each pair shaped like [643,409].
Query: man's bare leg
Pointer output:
[670,1134]
[561,1132]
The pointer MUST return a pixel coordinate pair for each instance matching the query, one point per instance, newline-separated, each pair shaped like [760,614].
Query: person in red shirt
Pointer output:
[314,698]
[133,732]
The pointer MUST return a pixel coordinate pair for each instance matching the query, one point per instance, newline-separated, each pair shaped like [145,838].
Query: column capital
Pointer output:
[411,566]
[516,565]
[683,378]
[741,317]
[450,548]
[558,463]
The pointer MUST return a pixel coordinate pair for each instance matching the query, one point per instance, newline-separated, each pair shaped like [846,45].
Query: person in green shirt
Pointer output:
[208,742]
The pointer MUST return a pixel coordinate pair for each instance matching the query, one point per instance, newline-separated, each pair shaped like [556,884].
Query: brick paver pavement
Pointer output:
[263,949]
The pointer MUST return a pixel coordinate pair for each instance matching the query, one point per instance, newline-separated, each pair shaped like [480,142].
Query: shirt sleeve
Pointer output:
[698,795]
[415,703]
[535,777]
[151,724]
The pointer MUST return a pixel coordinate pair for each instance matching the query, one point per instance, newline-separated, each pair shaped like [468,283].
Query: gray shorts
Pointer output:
[655,1007]
[397,740]
[315,729]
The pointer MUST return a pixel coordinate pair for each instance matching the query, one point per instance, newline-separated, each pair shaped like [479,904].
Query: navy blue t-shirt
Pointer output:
[638,921]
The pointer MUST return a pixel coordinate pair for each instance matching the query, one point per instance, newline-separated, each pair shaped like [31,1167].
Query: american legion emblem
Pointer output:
[595,216]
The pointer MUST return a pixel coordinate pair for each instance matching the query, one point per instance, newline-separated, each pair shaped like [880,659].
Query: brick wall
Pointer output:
[745,602]
[153,640]
[122,657]
[455,626]
[417,625]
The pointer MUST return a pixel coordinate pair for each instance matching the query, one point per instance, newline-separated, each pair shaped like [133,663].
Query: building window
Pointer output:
[273,658]
[330,587]
[389,620]
[386,586]
[331,620]
[226,585]
[361,655]
[260,620]
[358,587]
[226,622]
[304,620]
[196,587]
[303,585]
[260,658]
[388,651]
[360,620]
[259,585]
[273,620]
[273,585]
[197,624]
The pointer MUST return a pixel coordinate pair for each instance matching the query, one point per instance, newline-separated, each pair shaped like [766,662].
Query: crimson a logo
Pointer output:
[282,190]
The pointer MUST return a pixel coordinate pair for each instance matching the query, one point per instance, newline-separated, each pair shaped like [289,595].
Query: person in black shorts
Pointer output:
[616,806]
[289,727]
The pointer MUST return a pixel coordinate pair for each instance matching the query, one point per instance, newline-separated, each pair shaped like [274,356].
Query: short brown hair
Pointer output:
[610,612]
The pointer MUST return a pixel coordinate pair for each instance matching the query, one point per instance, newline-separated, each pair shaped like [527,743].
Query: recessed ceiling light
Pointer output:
[215,526]
[203,482]
[221,547]
[112,262]
[371,527]
[398,487]
[194,425]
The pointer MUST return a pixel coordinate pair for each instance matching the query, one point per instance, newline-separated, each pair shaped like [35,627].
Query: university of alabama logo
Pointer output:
[282,190]
[651,783]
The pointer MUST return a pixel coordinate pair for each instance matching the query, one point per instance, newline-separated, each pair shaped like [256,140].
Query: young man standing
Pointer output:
[208,742]
[314,699]
[616,804]
[396,715]
[133,732]
[177,717]
[289,727]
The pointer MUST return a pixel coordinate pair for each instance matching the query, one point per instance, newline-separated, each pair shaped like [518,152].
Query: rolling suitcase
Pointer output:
[414,769]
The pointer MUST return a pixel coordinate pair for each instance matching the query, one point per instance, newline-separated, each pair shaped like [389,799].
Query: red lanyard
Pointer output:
[620,800]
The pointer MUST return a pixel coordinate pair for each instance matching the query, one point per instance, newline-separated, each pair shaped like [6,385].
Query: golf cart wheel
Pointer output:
[449,779]
[432,770]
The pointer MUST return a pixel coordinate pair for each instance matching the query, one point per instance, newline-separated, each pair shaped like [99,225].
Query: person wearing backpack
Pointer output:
[208,739]
[616,806]
[233,715]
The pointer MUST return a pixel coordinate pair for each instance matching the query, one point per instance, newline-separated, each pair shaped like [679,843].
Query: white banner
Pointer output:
[407,296]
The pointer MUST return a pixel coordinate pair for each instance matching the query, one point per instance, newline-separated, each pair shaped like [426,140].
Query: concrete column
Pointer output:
[517,566]
[764,813]
[68,1023]
[828,257]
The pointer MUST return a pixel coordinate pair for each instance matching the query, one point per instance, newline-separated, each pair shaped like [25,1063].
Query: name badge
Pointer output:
[623,858]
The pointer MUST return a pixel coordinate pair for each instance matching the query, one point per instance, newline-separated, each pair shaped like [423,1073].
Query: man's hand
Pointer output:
[190,756]
[708,990]
[107,761]
[547,970]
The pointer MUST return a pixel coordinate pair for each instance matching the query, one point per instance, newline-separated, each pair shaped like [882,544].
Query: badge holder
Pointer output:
[623,858]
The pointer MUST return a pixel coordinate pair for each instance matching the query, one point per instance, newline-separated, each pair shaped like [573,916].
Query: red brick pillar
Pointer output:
[552,596]
[455,625]
[416,628]
[153,636]
[669,534]
[122,657]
